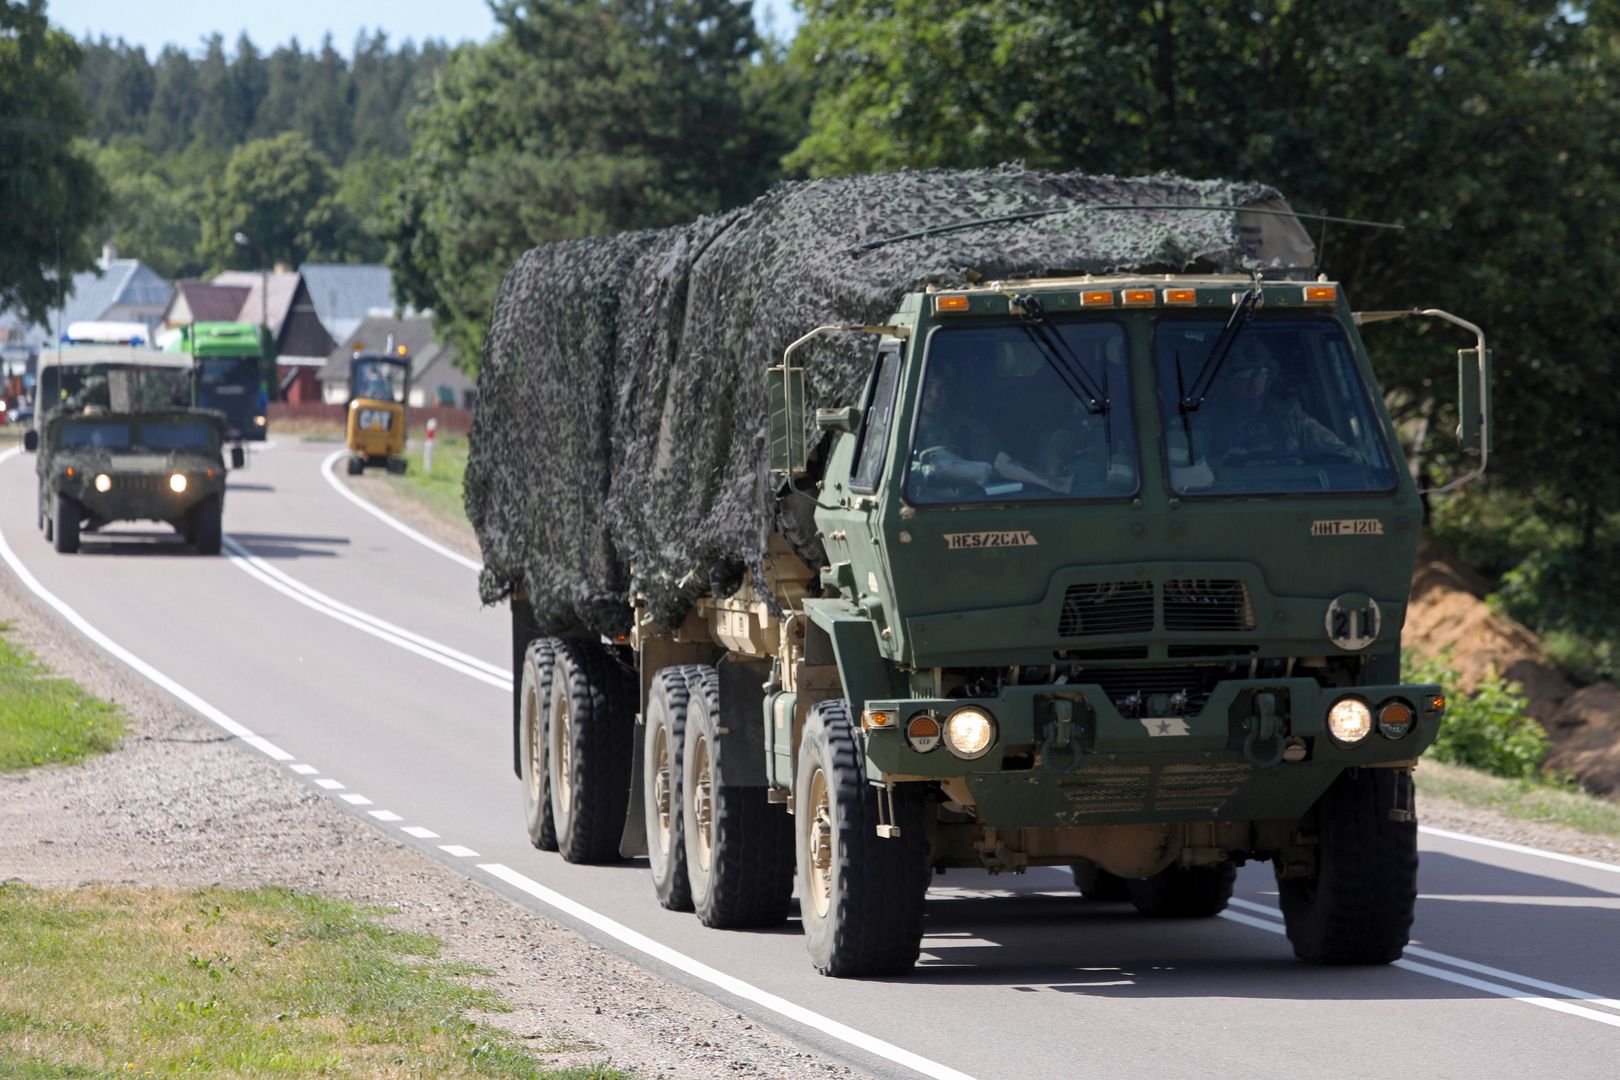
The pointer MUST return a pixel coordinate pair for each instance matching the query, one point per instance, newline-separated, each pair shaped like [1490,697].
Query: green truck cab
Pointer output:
[229,374]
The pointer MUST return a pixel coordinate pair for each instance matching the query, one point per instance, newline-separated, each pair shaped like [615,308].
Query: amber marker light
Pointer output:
[1321,294]
[922,732]
[70,471]
[1437,702]
[1395,719]
[1139,298]
[1180,297]
[1097,298]
[877,718]
[950,303]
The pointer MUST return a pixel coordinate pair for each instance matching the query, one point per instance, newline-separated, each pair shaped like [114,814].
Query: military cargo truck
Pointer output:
[1095,556]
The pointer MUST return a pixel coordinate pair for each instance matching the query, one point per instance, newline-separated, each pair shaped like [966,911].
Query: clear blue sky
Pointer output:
[273,22]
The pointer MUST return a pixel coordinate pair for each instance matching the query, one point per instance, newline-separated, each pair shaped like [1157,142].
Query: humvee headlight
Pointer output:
[1395,719]
[177,483]
[1349,721]
[103,483]
[970,732]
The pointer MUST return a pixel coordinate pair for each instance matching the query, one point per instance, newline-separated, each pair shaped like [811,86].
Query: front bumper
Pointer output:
[1104,767]
[142,496]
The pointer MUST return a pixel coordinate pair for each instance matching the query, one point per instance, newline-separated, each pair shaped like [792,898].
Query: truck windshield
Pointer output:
[1287,413]
[216,372]
[1000,421]
[83,435]
[178,435]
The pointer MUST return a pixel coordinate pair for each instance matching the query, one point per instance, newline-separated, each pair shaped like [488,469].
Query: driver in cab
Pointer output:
[957,450]
[1256,426]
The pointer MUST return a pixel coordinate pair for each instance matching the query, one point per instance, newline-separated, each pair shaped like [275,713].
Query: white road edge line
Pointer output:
[152,674]
[719,979]
[239,551]
[1468,965]
[1520,849]
[435,652]
[392,522]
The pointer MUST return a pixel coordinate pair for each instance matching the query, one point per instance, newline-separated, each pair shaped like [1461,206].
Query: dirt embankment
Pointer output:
[1448,615]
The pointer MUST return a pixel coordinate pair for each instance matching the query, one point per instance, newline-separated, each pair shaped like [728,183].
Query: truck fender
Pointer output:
[862,670]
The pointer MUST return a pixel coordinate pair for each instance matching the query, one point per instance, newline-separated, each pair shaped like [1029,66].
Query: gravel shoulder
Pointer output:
[178,805]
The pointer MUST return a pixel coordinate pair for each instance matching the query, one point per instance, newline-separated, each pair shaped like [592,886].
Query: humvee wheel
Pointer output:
[739,846]
[66,520]
[663,745]
[1097,884]
[861,895]
[535,694]
[207,529]
[588,742]
[1184,892]
[1356,908]
[356,465]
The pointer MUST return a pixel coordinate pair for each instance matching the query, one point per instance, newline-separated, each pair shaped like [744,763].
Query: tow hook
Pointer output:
[1261,726]
[1059,737]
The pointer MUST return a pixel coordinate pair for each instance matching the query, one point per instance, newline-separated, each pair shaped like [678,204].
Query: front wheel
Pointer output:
[66,519]
[1356,904]
[1098,885]
[861,895]
[208,525]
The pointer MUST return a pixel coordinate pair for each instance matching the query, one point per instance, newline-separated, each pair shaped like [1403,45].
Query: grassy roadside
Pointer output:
[1526,801]
[240,983]
[439,491]
[45,719]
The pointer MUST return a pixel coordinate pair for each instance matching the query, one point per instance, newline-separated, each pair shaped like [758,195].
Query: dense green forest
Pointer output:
[1489,129]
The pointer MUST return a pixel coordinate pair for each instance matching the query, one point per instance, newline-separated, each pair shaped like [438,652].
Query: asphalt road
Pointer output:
[361,660]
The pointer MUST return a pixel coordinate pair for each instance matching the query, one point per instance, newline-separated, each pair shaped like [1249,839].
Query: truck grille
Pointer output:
[1110,607]
[1191,605]
[1119,683]
[1205,604]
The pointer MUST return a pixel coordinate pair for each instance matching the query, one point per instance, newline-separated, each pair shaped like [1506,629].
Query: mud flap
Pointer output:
[633,841]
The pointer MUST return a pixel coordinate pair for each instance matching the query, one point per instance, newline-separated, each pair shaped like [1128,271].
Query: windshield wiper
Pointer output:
[1057,354]
[1192,400]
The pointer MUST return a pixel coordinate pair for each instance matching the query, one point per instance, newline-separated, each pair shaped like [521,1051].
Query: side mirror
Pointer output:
[846,419]
[30,440]
[1474,401]
[784,395]
[238,458]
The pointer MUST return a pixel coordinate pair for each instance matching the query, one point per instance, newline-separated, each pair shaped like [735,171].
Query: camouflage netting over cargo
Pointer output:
[619,441]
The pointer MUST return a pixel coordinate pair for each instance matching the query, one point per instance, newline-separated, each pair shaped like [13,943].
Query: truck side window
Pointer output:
[877,414]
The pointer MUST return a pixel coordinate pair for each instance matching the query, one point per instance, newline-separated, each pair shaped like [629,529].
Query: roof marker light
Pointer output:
[950,303]
[1139,298]
[1180,297]
[1097,298]
[1321,294]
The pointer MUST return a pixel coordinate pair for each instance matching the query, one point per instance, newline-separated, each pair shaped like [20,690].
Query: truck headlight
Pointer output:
[177,483]
[259,420]
[970,732]
[1349,721]
[103,483]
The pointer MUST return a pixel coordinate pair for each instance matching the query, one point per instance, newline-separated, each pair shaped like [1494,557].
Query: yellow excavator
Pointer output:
[379,389]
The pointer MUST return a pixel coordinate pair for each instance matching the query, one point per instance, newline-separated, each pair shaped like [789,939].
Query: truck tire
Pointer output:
[590,726]
[1184,892]
[66,519]
[1098,885]
[739,846]
[1356,908]
[861,895]
[534,704]
[208,527]
[663,750]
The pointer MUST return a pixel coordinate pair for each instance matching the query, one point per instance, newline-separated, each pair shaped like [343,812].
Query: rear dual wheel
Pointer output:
[589,728]
[534,704]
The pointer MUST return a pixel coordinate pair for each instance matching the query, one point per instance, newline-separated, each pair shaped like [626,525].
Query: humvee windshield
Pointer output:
[112,386]
[1288,411]
[1004,417]
[159,436]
